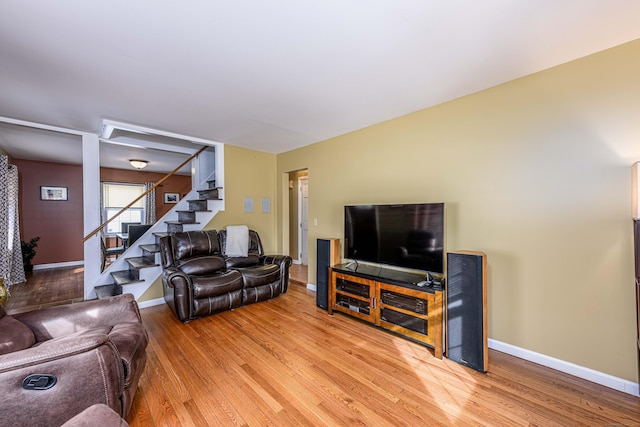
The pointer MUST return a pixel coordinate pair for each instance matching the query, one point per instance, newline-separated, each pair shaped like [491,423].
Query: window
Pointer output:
[116,196]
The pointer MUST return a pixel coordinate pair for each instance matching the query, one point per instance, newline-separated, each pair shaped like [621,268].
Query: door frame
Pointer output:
[300,221]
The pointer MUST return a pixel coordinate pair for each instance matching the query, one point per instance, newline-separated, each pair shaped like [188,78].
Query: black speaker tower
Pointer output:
[328,254]
[466,314]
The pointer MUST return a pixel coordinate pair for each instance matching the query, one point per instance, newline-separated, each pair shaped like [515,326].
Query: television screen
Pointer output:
[403,235]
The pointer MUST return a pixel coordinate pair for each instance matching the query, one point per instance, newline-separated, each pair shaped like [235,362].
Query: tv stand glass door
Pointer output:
[402,307]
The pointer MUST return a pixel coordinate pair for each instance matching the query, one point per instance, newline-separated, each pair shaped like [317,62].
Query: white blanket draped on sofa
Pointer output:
[237,244]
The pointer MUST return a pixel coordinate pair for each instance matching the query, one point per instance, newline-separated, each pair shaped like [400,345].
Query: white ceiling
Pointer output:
[277,75]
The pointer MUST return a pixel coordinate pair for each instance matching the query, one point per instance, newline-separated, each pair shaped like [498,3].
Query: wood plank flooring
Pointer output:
[285,362]
[47,287]
[66,285]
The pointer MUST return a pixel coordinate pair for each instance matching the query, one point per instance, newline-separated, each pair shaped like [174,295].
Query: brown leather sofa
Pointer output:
[58,361]
[198,280]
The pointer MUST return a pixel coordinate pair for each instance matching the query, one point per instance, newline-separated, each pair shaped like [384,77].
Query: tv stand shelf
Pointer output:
[390,299]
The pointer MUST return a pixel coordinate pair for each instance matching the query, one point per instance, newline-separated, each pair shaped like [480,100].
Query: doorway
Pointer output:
[303,215]
[297,219]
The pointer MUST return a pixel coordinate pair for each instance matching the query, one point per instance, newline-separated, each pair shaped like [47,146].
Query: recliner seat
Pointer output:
[58,361]
[263,277]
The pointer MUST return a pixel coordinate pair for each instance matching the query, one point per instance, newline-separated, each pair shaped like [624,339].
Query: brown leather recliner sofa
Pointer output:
[199,280]
[58,361]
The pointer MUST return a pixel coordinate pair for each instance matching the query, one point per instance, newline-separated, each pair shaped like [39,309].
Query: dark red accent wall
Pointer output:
[59,223]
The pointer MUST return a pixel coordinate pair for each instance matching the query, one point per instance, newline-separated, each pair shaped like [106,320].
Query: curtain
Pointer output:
[11,268]
[149,204]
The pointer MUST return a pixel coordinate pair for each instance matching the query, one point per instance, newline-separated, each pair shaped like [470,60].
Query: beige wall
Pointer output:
[535,173]
[248,173]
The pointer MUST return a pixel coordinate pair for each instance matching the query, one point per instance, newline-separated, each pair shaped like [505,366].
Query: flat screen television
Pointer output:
[403,235]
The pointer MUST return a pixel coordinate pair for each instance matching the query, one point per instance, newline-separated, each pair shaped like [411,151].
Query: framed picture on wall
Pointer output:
[171,197]
[53,193]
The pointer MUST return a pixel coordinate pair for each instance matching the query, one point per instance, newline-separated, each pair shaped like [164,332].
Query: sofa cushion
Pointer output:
[189,244]
[242,261]
[218,284]
[210,305]
[15,334]
[261,293]
[260,275]
[201,266]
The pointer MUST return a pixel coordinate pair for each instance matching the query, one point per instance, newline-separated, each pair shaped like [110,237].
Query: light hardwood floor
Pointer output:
[285,362]
[298,272]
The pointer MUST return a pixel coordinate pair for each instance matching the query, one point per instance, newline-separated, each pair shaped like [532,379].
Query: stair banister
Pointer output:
[163,179]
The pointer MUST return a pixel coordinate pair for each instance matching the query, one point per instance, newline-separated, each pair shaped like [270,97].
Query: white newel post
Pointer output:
[91,202]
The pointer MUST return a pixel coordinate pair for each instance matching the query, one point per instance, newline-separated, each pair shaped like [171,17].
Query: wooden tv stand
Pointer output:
[389,299]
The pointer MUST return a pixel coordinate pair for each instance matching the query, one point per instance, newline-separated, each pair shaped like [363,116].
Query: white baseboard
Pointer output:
[312,287]
[151,303]
[588,374]
[58,265]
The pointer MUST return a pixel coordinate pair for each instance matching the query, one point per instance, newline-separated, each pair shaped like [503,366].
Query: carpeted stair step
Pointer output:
[125,277]
[198,205]
[176,226]
[140,262]
[107,291]
[209,193]
[152,249]
[186,216]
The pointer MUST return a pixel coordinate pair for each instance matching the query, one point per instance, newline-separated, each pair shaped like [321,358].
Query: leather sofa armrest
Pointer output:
[284,262]
[167,273]
[176,286]
[175,278]
[55,349]
[57,321]
[61,377]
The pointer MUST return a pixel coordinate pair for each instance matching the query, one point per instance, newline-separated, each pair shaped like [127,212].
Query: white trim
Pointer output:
[91,210]
[109,125]
[58,265]
[567,367]
[299,254]
[312,287]
[151,303]
[301,180]
[41,126]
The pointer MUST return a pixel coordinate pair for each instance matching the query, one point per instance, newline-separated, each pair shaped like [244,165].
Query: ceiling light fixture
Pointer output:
[138,164]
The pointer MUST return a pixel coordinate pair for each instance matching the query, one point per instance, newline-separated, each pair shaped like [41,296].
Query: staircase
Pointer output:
[138,267]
